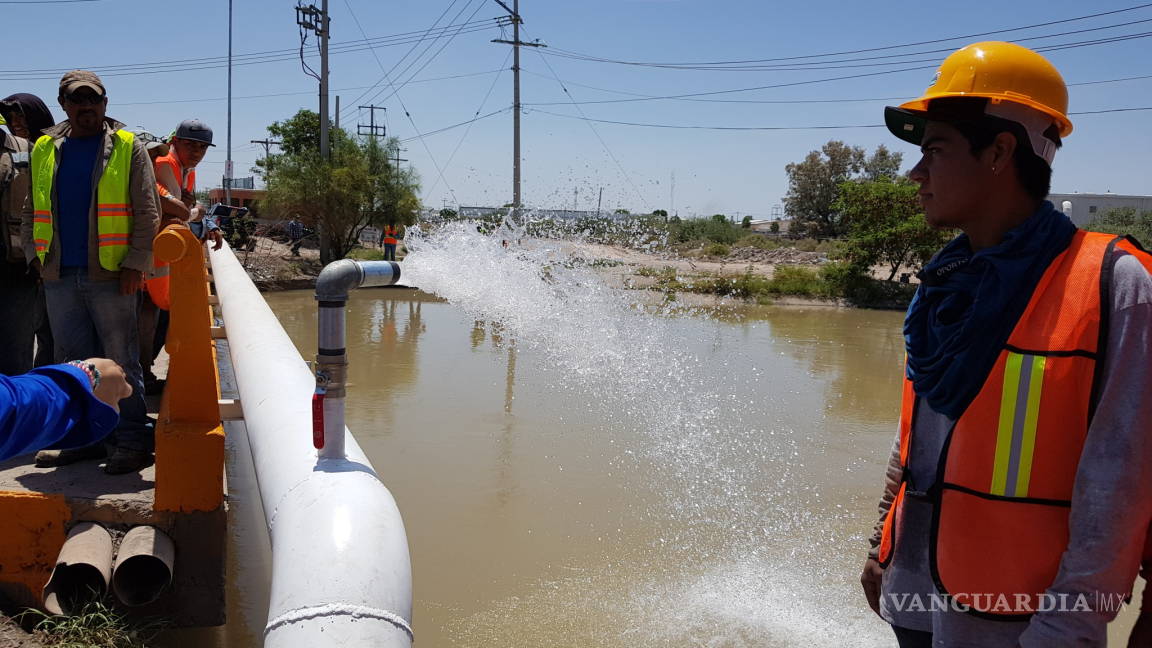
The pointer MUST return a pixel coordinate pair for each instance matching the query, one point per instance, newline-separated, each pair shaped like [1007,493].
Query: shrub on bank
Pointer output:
[717,250]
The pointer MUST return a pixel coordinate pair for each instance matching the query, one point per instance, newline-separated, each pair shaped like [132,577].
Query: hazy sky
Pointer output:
[567,160]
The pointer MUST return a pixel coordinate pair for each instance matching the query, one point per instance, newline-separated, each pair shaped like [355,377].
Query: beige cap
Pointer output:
[76,79]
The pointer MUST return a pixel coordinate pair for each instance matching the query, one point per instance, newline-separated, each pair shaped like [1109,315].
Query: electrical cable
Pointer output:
[407,114]
[554,49]
[783,128]
[468,130]
[304,92]
[388,73]
[594,131]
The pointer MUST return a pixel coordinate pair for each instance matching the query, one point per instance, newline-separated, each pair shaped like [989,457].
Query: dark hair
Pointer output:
[36,114]
[966,114]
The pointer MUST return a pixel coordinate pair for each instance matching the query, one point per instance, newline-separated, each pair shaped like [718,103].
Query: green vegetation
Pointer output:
[717,250]
[341,196]
[1124,221]
[885,226]
[814,185]
[96,626]
[366,254]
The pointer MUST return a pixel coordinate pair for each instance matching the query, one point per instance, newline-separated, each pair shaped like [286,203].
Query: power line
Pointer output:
[454,126]
[822,80]
[388,73]
[475,115]
[859,51]
[783,128]
[184,65]
[290,94]
[778,101]
[407,114]
[594,131]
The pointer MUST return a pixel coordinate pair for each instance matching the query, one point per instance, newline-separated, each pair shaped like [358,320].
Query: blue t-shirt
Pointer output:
[74,197]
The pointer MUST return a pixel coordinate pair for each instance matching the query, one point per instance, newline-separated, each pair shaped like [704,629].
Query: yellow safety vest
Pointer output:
[113,203]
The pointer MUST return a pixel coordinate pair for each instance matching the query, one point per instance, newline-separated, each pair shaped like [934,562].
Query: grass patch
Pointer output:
[366,254]
[96,626]
[757,241]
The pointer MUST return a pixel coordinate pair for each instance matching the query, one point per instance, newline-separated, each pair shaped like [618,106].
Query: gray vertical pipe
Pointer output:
[333,286]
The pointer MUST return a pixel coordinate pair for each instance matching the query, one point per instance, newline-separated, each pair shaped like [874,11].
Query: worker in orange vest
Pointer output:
[389,240]
[1019,489]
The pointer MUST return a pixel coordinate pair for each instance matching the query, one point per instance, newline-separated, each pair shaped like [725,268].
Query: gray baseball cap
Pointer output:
[195,130]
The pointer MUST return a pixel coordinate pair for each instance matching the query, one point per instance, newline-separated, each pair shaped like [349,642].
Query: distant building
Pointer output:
[1086,207]
[764,226]
[249,198]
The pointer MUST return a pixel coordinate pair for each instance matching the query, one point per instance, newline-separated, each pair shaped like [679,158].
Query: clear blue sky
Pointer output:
[564,159]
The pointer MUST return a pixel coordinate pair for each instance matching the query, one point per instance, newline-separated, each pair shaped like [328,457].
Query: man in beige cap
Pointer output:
[89,230]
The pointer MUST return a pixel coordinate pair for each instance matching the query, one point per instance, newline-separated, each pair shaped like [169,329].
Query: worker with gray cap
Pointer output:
[89,230]
[176,174]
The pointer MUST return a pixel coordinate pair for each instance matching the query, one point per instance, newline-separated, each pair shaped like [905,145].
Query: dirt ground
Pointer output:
[12,636]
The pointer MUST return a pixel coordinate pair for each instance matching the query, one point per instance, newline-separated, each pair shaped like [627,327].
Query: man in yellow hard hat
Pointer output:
[1019,489]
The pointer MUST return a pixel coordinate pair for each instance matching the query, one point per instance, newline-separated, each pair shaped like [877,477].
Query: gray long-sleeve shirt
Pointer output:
[1111,501]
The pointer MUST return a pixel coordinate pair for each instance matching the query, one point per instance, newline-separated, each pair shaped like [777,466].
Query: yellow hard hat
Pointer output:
[1001,72]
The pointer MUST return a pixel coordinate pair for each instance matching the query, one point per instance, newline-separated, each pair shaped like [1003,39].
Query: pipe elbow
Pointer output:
[337,279]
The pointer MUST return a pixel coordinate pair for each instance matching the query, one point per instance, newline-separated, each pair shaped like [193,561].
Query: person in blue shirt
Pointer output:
[67,405]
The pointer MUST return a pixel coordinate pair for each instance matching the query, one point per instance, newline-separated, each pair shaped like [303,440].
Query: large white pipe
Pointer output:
[341,572]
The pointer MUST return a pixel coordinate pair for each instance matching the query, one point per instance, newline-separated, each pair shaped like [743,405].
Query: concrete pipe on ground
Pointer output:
[82,570]
[143,566]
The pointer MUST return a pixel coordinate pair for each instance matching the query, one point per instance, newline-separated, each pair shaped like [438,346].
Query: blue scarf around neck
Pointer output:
[968,303]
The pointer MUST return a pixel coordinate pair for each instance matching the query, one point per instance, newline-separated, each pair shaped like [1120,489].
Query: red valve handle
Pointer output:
[318,420]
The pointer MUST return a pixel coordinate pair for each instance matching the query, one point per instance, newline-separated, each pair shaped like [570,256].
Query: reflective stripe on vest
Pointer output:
[1009,463]
[113,201]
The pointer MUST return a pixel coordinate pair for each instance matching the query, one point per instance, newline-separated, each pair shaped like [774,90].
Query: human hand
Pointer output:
[870,579]
[188,198]
[216,238]
[130,281]
[113,385]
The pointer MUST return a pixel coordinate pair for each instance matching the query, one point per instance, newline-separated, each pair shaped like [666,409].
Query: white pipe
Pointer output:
[341,572]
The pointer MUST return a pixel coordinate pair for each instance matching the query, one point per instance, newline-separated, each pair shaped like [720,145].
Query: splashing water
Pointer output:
[741,560]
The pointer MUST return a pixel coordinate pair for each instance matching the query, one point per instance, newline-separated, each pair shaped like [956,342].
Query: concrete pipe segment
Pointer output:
[143,566]
[82,569]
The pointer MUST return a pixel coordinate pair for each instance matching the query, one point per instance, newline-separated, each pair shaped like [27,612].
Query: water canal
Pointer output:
[575,470]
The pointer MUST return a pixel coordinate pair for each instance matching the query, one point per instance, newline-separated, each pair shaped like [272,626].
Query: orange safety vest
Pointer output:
[390,235]
[157,282]
[1007,468]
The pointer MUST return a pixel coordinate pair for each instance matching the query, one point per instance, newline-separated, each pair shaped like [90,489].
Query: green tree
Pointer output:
[814,185]
[885,225]
[746,223]
[719,218]
[448,214]
[774,227]
[1124,221]
[341,196]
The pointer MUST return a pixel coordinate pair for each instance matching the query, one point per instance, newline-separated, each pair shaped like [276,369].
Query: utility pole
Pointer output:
[514,12]
[399,159]
[337,113]
[373,129]
[599,200]
[268,144]
[317,21]
[228,161]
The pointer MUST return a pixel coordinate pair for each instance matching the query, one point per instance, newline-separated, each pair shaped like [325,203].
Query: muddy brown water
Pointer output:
[537,517]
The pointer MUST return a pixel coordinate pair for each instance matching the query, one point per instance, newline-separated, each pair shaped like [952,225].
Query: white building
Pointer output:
[1085,207]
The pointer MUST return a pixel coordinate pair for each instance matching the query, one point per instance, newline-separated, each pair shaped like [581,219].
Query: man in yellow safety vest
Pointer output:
[89,232]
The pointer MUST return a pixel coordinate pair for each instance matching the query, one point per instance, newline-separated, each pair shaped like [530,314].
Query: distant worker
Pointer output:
[388,238]
[27,118]
[295,235]
[62,406]
[1019,491]
[90,233]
